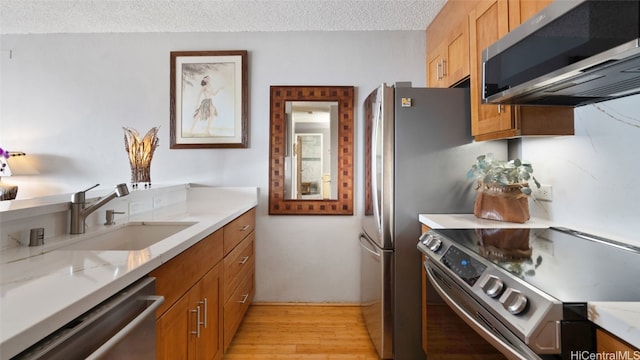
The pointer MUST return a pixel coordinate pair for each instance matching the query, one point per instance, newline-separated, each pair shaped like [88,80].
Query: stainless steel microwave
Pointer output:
[573,52]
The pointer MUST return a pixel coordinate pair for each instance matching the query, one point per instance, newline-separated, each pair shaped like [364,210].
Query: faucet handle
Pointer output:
[79,197]
[93,187]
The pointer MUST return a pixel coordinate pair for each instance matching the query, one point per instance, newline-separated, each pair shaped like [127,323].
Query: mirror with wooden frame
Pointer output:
[311,150]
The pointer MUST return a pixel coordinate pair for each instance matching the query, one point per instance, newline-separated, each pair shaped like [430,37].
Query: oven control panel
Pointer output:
[463,265]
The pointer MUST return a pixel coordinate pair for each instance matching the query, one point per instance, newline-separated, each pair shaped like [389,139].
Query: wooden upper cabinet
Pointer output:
[448,45]
[435,62]
[522,10]
[489,21]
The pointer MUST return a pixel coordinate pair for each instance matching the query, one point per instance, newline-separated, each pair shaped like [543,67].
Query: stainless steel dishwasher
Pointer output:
[121,327]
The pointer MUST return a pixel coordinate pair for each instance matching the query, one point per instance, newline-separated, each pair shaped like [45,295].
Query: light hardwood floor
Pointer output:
[302,332]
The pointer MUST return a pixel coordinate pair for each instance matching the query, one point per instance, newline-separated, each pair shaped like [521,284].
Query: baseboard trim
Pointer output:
[267,303]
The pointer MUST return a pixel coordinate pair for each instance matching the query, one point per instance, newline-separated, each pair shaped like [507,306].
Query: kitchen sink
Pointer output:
[131,236]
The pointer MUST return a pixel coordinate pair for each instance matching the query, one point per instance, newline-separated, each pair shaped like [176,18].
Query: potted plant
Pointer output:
[503,188]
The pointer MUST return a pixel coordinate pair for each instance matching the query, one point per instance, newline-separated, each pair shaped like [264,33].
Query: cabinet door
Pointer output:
[522,10]
[172,331]
[207,295]
[456,61]
[435,71]
[448,45]
[488,22]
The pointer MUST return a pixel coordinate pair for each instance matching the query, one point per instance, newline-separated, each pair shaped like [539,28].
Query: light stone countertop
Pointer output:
[619,318]
[469,221]
[43,288]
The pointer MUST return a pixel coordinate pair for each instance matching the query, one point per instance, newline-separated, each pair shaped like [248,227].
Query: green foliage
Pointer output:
[513,172]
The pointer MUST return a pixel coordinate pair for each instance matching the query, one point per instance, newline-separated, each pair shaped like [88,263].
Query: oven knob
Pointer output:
[492,286]
[513,301]
[433,243]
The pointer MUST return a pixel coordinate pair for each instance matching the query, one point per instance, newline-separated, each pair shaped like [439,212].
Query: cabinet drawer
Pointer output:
[238,265]
[236,307]
[608,343]
[175,277]
[238,229]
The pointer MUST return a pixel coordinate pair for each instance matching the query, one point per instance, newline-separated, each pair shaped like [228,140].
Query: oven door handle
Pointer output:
[154,302]
[494,340]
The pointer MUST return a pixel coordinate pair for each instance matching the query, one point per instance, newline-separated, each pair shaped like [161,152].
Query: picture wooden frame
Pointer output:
[208,99]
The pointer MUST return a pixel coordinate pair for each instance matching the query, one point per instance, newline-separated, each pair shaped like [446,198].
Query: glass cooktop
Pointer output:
[561,263]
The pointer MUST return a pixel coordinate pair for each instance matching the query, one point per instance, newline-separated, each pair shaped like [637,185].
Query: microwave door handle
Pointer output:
[483,95]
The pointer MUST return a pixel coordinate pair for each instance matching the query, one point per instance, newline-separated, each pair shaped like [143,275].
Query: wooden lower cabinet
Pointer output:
[192,327]
[208,289]
[172,331]
[236,308]
[206,295]
[238,229]
[239,280]
[608,343]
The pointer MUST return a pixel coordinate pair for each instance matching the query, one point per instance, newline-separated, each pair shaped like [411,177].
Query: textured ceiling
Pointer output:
[114,16]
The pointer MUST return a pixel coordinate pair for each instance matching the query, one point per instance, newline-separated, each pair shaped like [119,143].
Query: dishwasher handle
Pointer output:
[154,303]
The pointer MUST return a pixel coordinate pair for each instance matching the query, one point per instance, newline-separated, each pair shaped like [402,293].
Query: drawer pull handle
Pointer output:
[245,228]
[244,260]
[244,298]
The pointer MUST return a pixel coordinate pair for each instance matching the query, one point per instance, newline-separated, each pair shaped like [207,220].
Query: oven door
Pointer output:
[477,317]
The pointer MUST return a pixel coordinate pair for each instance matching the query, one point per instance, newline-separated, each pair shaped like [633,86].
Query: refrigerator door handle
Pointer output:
[366,244]
[375,187]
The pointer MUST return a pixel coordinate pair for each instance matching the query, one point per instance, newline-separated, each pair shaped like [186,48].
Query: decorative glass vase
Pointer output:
[140,154]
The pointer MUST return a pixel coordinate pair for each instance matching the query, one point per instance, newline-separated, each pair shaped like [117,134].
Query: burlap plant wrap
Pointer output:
[505,244]
[501,202]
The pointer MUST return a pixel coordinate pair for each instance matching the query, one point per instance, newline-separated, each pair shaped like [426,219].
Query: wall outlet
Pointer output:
[158,201]
[543,193]
[135,207]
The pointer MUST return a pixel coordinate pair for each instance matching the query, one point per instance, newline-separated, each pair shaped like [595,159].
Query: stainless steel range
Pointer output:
[526,290]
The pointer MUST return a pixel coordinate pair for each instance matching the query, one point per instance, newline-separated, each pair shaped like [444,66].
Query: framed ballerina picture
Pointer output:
[209,99]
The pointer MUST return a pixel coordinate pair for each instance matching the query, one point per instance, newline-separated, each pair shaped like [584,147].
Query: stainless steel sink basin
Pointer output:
[132,236]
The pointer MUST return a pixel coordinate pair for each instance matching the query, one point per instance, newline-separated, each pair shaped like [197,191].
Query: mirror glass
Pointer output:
[311,161]
[311,150]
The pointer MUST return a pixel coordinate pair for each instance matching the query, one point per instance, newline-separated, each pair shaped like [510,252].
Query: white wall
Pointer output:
[594,174]
[65,98]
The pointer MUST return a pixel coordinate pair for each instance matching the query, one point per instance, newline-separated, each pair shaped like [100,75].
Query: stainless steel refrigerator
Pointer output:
[418,149]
